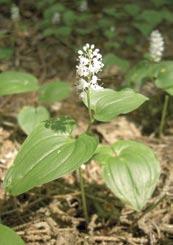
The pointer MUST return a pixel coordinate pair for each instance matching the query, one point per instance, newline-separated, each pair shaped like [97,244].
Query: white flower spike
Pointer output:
[83,6]
[15,13]
[156,46]
[56,18]
[90,64]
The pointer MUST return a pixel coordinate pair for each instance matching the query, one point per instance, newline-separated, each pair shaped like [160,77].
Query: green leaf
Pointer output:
[137,74]
[14,82]
[111,59]
[69,17]
[108,104]
[159,3]
[54,91]
[63,32]
[6,53]
[6,2]
[110,33]
[50,31]
[152,17]
[164,76]
[63,124]
[52,9]
[112,12]
[9,237]
[104,23]
[85,31]
[29,117]
[170,91]
[47,154]
[131,172]
[167,15]
[144,28]
[102,154]
[132,9]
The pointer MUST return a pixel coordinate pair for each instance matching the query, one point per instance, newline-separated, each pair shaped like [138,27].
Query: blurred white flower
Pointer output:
[156,46]
[15,13]
[83,6]
[56,18]
[90,63]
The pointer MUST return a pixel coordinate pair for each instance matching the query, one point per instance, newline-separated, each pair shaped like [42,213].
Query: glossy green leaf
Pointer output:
[52,9]
[164,76]
[139,73]
[107,104]
[29,117]
[54,91]
[159,3]
[111,59]
[47,154]
[6,53]
[170,91]
[9,237]
[14,82]
[151,16]
[63,124]
[63,31]
[132,9]
[69,17]
[131,171]
[144,28]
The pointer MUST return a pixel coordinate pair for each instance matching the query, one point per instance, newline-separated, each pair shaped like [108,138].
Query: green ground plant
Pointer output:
[156,70]
[51,150]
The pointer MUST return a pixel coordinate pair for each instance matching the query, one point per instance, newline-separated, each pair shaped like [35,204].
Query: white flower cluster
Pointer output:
[15,14]
[90,63]
[83,6]
[156,46]
[56,18]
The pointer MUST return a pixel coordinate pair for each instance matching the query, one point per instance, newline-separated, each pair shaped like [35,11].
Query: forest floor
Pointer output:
[52,214]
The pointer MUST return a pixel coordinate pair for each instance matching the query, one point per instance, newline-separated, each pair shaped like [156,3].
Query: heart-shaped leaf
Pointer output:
[9,237]
[29,117]
[130,170]
[164,76]
[138,74]
[108,104]
[47,154]
[54,91]
[111,59]
[14,82]
[170,91]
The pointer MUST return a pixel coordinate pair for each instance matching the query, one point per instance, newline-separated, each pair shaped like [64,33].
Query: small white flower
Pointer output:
[15,13]
[112,29]
[80,52]
[156,46]
[82,84]
[83,6]
[90,64]
[96,87]
[56,18]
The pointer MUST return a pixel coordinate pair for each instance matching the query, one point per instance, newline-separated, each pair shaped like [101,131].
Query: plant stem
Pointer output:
[89,110]
[83,195]
[163,117]
[84,203]
[89,106]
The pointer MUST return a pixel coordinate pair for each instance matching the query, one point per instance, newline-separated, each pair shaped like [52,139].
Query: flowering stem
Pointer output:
[90,63]
[89,105]
[89,110]
[164,111]
[83,195]
[84,203]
